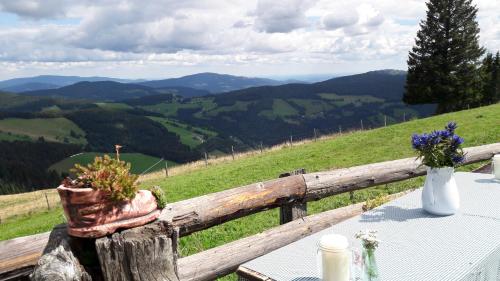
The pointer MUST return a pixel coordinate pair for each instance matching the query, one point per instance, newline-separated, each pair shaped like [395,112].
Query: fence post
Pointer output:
[404,116]
[166,168]
[315,136]
[47,200]
[362,125]
[291,140]
[385,120]
[295,209]
[261,147]
[206,159]
[340,129]
[232,151]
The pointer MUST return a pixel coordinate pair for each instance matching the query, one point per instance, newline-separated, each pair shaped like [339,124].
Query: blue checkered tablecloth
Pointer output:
[415,245]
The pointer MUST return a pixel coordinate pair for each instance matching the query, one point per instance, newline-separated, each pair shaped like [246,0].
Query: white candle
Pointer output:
[335,257]
[496,166]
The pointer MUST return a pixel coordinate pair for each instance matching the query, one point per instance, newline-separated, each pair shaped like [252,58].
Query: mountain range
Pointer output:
[179,123]
[187,86]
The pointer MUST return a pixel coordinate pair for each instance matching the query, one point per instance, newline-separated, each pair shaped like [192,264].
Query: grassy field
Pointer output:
[190,136]
[51,129]
[113,105]
[477,126]
[8,136]
[139,161]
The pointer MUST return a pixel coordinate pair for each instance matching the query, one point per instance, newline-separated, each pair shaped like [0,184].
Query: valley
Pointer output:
[179,126]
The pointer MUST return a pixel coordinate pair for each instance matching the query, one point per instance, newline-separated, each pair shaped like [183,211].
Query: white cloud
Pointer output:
[340,18]
[34,9]
[281,16]
[134,38]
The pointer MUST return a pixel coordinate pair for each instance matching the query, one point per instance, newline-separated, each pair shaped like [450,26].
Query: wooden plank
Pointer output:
[21,253]
[246,274]
[225,259]
[220,261]
[324,184]
[295,209]
[205,211]
[485,169]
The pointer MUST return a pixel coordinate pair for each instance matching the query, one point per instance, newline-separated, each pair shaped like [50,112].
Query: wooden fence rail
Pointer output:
[188,216]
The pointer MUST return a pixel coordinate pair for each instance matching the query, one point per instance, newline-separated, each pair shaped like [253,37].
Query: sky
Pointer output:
[170,38]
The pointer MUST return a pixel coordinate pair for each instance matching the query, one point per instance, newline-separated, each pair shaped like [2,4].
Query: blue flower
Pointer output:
[456,141]
[451,127]
[435,137]
[415,141]
[457,159]
[445,134]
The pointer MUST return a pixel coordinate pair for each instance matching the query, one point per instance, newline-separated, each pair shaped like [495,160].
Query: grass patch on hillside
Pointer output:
[477,126]
[189,135]
[8,136]
[140,162]
[312,107]
[343,100]
[281,108]
[113,105]
[51,129]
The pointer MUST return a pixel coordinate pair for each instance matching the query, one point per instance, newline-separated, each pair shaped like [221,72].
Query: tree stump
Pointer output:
[139,254]
[58,262]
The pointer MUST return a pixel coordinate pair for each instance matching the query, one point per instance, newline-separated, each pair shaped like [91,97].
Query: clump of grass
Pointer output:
[159,194]
[375,202]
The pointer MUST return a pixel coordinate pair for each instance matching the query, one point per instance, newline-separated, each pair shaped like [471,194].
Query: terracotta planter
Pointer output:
[91,214]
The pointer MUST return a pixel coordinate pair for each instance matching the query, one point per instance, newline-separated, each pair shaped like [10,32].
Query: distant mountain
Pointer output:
[112,91]
[185,92]
[56,80]
[212,82]
[31,86]
[387,84]
[102,91]
[384,84]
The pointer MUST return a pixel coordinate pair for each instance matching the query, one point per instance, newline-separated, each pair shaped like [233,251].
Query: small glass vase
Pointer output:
[370,268]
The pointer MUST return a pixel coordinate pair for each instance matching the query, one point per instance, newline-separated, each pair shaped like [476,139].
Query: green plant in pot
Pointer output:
[105,197]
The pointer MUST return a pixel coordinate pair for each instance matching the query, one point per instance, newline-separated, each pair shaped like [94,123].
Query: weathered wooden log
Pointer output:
[58,262]
[328,183]
[295,209]
[205,211]
[139,254]
[19,256]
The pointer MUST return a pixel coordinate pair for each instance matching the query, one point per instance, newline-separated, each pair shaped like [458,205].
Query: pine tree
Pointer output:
[443,66]
[490,71]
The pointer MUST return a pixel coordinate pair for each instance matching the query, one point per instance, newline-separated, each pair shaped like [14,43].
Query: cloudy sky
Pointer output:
[170,38]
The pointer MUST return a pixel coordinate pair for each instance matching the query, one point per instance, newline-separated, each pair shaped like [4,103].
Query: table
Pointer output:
[414,245]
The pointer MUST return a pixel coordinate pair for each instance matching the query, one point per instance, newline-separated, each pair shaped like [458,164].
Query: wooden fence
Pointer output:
[290,193]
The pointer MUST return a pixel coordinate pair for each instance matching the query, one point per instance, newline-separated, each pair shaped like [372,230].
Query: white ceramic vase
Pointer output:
[440,194]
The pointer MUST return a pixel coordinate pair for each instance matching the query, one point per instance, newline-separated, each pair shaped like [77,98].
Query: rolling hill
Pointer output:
[30,86]
[52,81]
[101,90]
[271,114]
[212,82]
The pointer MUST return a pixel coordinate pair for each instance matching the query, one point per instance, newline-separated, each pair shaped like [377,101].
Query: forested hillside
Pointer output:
[95,116]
